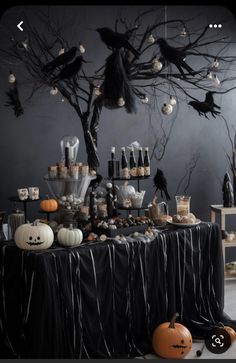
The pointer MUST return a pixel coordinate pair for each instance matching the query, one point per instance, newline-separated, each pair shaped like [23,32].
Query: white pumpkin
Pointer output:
[34,236]
[70,236]
[125,191]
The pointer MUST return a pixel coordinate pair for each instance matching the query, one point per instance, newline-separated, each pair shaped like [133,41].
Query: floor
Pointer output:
[230,309]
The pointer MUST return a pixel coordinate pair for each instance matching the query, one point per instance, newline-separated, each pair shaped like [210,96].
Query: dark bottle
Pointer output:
[124,165]
[147,170]
[112,164]
[140,162]
[132,163]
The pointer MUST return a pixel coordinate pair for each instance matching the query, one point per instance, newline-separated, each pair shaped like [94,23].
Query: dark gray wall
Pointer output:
[30,143]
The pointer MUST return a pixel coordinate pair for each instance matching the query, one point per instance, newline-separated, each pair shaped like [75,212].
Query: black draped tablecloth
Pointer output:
[104,299]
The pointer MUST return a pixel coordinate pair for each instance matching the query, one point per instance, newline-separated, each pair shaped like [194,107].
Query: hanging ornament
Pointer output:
[216,80]
[215,64]
[151,39]
[183,33]
[167,109]
[144,99]
[209,75]
[121,102]
[81,48]
[61,51]
[97,91]
[12,77]
[172,101]
[53,91]
[62,100]
[156,65]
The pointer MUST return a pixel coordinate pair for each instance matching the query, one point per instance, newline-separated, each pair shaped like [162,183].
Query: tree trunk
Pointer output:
[91,147]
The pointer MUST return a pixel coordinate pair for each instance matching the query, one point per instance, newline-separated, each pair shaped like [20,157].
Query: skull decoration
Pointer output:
[33,193]
[172,340]
[23,193]
[167,109]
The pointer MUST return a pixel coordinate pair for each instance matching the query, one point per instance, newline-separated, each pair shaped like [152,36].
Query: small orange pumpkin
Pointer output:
[48,205]
[229,330]
[172,340]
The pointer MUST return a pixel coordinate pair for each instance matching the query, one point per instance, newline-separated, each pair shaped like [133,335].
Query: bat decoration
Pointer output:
[206,106]
[160,183]
[70,70]
[174,56]
[61,60]
[115,40]
[14,101]
[116,84]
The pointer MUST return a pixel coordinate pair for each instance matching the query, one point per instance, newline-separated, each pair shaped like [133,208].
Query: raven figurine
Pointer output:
[174,56]
[70,70]
[206,106]
[115,40]
[62,59]
[160,182]
[14,101]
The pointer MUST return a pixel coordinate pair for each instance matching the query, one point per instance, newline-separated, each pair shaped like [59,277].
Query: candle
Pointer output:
[183,204]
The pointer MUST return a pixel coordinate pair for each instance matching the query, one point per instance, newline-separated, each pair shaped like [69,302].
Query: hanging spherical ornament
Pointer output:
[156,65]
[61,51]
[209,75]
[183,33]
[121,102]
[53,91]
[145,99]
[172,101]
[167,109]
[97,91]
[215,64]
[151,39]
[62,100]
[11,78]
[81,48]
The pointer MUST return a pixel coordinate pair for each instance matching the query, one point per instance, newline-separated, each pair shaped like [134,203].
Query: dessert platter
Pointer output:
[186,220]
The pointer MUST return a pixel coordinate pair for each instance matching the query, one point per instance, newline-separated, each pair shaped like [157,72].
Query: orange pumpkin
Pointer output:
[172,340]
[48,205]
[231,332]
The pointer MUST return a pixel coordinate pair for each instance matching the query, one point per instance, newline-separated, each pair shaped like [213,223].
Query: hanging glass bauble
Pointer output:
[121,102]
[145,99]
[167,109]
[97,91]
[156,65]
[172,101]
[53,91]
[81,48]
[183,33]
[151,39]
[61,51]
[11,78]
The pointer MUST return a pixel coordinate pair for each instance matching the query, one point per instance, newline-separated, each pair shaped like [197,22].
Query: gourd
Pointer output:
[69,236]
[172,340]
[48,205]
[34,236]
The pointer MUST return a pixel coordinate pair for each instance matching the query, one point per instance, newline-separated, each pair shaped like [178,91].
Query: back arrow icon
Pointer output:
[19,26]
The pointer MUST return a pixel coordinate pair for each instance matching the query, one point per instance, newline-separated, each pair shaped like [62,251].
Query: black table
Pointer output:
[104,299]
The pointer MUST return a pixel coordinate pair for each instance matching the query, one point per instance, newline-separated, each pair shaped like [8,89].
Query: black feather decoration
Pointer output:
[14,101]
[116,83]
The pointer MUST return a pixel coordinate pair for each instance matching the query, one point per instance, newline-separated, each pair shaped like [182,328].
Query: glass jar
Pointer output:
[182,204]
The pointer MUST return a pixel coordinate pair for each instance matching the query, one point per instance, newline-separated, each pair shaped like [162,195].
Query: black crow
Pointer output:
[174,56]
[114,40]
[70,70]
[206,106]
[160,183]
[62,59]
[95,182]
[14,101]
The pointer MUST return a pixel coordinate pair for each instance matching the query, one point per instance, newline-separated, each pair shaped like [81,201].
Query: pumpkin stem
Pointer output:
[172,322]
[221,324]
[36,222]
[70,227]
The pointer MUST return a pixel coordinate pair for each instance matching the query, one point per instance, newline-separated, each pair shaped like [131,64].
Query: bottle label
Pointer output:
[140,171]
[134,172]
[147,171]
[125,173]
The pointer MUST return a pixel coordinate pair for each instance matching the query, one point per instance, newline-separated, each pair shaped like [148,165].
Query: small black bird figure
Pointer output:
[70,70]
[14,101]
[174,56]
[62,59]
[114,40]
[160,182]
[206,106]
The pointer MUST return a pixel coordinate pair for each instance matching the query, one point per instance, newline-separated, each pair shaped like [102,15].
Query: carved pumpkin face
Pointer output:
[35,236]
[172,340]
